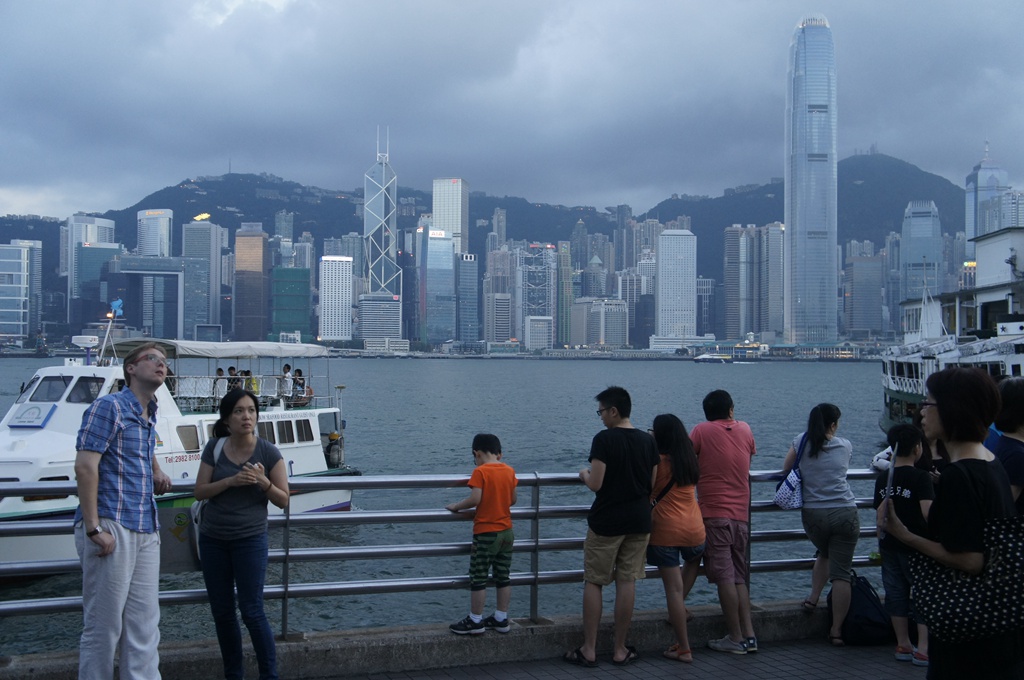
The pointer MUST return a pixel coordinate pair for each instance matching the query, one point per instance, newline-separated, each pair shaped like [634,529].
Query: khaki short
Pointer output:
[613,558]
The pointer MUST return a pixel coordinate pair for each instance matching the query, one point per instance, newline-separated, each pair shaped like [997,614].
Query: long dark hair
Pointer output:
[822,417]
[227,407]
[673,441]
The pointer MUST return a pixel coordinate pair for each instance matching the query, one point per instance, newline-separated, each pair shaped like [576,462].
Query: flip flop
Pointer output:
[836,640]
[576,657]
[631,656]
[809,607]
[677,654]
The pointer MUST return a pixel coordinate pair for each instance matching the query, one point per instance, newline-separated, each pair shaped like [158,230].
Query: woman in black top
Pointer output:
[960,404]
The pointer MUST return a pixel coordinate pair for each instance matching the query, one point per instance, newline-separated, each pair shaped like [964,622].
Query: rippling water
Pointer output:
[419,416]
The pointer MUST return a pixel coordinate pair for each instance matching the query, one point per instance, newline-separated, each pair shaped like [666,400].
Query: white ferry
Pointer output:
[37,436]
[905,368]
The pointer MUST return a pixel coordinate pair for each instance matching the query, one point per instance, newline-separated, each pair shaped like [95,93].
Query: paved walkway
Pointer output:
[795,660]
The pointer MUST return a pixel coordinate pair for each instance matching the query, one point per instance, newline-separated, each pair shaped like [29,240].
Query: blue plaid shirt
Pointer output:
[114,427]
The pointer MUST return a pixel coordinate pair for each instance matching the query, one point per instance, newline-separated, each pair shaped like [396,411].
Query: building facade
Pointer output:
[675,285]
[335,298]
[451,210]
[154,232]
[811,270]
[252,285]
[921,258]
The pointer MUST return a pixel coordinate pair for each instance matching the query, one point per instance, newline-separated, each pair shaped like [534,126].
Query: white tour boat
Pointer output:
[37,436]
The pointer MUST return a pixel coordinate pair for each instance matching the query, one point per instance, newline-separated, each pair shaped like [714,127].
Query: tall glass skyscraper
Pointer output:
[437,287]
[380,228]
[920,250]
[811,274]
[985,187]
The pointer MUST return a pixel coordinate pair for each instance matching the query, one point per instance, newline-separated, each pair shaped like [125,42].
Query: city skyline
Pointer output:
[533,103]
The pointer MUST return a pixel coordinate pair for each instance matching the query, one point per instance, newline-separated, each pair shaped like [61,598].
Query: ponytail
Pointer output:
[822,417]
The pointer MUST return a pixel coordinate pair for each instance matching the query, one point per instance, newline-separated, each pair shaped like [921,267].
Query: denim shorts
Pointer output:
[896,580]
[670,556]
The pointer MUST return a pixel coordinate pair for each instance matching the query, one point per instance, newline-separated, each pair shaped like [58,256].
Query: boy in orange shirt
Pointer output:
[492,491]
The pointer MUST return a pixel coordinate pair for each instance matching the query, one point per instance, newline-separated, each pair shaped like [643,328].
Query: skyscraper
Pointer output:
[451,210]
[467,297]
[380,307]
[21,295]
[202,240]
[985,186]
[252,284]
[335,297]
[920,250]
[154,232]
[437,287]
[675,286]
[810,269]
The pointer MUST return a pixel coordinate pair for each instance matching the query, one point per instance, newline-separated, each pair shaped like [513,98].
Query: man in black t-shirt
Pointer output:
[623,465]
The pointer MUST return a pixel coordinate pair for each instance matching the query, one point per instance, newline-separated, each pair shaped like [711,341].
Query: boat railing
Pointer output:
[905,384]
[534,520]
[202,393]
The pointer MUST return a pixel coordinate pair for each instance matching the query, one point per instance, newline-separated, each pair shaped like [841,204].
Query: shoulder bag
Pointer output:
[959,607]
[198,506]
[789,494]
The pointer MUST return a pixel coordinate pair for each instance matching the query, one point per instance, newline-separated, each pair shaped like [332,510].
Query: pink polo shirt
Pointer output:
[724,449]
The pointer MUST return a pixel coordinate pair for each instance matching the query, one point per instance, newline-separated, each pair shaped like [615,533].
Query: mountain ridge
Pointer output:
[873,191]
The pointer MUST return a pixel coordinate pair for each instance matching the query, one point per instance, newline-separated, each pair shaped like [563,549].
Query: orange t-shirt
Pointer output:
[676,521]
[497,481]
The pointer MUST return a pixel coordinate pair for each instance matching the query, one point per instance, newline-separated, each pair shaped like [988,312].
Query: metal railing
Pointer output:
[535,514]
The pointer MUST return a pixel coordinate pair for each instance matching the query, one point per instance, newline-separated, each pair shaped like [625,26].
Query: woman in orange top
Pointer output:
[677,529]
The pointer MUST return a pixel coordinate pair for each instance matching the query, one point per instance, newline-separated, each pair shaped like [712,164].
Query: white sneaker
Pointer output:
[727,645]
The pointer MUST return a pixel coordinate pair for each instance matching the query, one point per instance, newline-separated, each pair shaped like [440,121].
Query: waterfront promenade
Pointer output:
[792,646]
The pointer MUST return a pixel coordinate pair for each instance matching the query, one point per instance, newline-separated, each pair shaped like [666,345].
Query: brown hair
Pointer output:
[135,356]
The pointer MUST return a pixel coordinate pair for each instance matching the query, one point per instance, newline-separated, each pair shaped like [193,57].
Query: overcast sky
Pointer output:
[579,102]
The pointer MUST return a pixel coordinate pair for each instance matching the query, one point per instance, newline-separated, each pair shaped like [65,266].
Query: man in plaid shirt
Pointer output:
[116,529]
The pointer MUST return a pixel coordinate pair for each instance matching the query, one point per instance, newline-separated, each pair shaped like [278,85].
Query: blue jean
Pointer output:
[240,562]
[896,580]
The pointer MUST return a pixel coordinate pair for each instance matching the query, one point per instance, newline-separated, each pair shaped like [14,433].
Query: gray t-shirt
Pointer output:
[238,511]
[824,477]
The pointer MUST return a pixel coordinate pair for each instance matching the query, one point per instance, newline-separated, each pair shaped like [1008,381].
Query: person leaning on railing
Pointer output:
[829,512]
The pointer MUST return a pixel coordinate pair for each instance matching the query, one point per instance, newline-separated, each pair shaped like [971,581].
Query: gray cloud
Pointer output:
[593,102]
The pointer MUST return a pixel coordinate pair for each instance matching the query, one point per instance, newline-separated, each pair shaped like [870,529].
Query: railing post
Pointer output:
[284,569]
[535,553]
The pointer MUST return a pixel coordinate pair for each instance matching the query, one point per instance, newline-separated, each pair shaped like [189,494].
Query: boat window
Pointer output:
[328,423]
[1015,368]
[285,434]
[27,389]
[189,436]
[51,388]
[266,431]
[305,430]
[85,391]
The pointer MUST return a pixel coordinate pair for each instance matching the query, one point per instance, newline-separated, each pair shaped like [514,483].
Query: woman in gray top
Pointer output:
[239,473]
[829,512]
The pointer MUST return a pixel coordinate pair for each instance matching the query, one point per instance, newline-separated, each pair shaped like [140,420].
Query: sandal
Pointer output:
[576,657]
[836,640]
[631,656]
[676,654]
[809,607]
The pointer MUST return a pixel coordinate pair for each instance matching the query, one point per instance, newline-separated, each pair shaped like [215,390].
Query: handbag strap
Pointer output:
[217,448]
[664,491]
[800,451]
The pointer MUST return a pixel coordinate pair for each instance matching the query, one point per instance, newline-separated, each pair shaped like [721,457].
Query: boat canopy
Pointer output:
[181,349]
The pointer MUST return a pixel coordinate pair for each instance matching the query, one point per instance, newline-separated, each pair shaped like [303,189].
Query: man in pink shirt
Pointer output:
[724,447]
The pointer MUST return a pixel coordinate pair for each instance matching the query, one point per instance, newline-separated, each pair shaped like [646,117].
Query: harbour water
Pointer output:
[419,416]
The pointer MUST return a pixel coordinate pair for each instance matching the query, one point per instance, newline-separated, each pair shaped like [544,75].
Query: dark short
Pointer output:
[491,554]
[672,556]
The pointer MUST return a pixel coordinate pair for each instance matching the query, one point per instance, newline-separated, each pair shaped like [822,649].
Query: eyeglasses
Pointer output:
[926,404]
[155,358]
[602,410]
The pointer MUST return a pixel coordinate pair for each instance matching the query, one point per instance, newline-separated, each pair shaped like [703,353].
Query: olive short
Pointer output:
[613,558]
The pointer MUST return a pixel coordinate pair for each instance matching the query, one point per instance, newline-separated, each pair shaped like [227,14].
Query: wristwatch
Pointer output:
[94,532]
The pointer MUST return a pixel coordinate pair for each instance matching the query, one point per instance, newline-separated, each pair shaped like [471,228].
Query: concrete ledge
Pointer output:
[392,650]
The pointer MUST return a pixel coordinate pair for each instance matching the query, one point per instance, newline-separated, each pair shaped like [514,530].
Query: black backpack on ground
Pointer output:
[867,623]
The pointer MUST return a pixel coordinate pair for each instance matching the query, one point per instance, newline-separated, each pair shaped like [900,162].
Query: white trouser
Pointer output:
[120,601]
